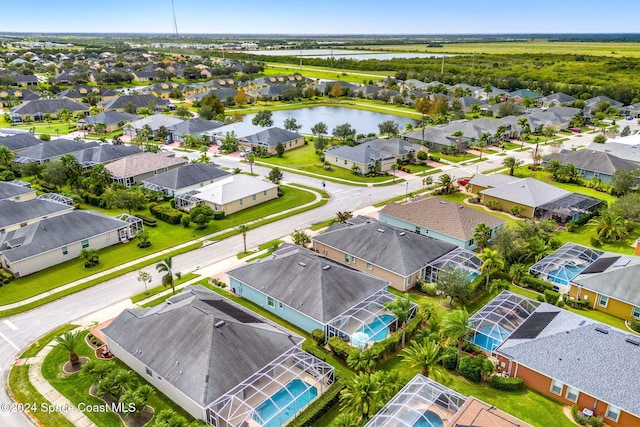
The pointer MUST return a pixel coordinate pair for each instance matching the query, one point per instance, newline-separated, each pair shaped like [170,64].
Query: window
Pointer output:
[603,300]
[612,413]
[85,244]
[216,207]
[572,394]
[369,266]
[471,242]
[349,259]
[345,162]
[417,230]
[148,371]
[271,302]
[556,387]
[636,312]
[253,197]
[240,202]
[64,250]
[281,306]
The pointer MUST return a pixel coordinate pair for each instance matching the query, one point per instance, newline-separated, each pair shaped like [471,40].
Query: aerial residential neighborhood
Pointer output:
[309,220]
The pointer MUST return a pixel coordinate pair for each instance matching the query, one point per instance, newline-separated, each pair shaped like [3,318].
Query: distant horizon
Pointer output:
[270,35]
[329,17]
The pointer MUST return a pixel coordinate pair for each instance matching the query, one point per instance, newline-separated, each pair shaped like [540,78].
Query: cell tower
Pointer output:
[175,23]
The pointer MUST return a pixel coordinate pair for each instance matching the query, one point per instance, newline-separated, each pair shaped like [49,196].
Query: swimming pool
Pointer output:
[378,329]
[490,336]
[565,273]
[285,403]
[428,419]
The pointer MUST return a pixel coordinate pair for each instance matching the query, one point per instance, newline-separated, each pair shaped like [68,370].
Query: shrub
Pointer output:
[536,284]
[560,303]
[217,215]
[147,220]
[551,296]
[449,358]
[471,368]
[571,226]
[577,303]
[506,383]
[540,298]
[429,289]
[493,205]
[434,158]
[421,155]
[185,221]
[318,336]
[595,242]
[634,324]
[7,175]
[167,214]
[340,348]
[312,348]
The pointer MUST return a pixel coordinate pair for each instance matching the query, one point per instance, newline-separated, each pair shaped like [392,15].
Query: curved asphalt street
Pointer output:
[19,331]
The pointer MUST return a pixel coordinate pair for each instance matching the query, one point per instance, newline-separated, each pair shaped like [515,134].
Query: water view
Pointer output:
[363,121]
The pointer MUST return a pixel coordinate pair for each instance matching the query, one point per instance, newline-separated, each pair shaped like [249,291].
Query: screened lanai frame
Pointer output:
[239,406]
[458,258]
[58,198]
[565,263]
[134,224]
[569,208]
[421,394]
[497,320]
[184,200]
[353,320]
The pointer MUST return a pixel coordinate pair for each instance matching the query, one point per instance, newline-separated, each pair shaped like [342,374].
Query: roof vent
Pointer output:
[582,322]
[381,230]
[602,330]
[402,233]
[443,202]
[302,264]
[219,324]
[633,340]
[326,267]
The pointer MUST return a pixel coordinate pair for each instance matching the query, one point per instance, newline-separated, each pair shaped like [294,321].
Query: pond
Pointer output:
[362,121]
[358,55]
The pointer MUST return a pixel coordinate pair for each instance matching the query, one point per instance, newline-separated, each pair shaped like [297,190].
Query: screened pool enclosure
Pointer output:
[564,264]
[421,403]
[275,394]
[494,322]
[458,258]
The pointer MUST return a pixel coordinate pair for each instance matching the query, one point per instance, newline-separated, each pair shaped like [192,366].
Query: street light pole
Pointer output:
[406,193]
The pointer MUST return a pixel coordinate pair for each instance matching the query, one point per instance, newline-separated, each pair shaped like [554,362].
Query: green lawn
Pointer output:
[305,159]
[158,289]
[163,236]
[457,158]
[460,197]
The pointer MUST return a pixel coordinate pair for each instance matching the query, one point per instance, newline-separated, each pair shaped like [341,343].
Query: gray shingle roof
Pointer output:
[494,180]
[309,283]
[20,141]
[526,192]
[359,154]
[109,118]
[194,126]
[14,212]
[180,343]
[54,148]
[105,153]
[9,191]
[271,137]
[446,217]
[620,283]
[623,151]
[384,245]
[53,233]
[571,350]
[49,106]
[139,100]
[395,146]
[596,161]
[156,121]
[187,175]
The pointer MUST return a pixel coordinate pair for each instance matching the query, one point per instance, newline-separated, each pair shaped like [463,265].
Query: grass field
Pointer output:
[537,46]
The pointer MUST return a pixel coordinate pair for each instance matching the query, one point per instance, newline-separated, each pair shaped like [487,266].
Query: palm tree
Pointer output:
[512,163]
[126,379]
[522,121]
[70,342]
[518,272]
[491,261]
[446,183]
[72,168]
[362,360]
[608,226]
[165,267]
[242,229]
[90,256]
[362,396]
[250,158]
[424,356]
[484,140]
[6,155]
[548,132]
[401,308]
[455,325]
[108,388]
[97,371]
[482,235]
[344,420]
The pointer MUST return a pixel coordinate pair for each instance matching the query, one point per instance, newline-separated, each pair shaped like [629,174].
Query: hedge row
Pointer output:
[319,407]
[340,348]
[147,220]
[507,383]
[91,199]
[577,303]
[536,284]
[312,348]
[166,214]
[634,324]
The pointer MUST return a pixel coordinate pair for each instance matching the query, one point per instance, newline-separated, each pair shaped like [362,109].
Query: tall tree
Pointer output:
[70,341]
[446,183]
[201,215]
[6,155]
[243,229]
[72,168]
[263,118]
[54,173]
[455,325]
[424,356]
[319,129]
[240,98]
[388,127]
[362,396]
[512,163]
[344,131]
[492,261]
[144,277]
[609,226]
[362,360]
[251,159]
[454,283]
[401,308]
[125,198]
[165,266]
[300,238]
[291,124]
[482,235]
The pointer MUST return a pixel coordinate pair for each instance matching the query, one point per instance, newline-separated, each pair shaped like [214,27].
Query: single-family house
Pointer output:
[360,159]
[194,127]
[569,358]
[424,402]
[390,252]
[54,240]
[11,97]
[138,100]
[15,191]
[270,138]
[556,117]
[113,120]
[441,219]
[230,194]
[557,99]
[519,95]
[16,213]
[592,164]
[438,139]
[36,110]
[132,170]
[52,150]
[628,151]
[591,104]
[154,122]
[185,178]
[104,154]
[19,142]
[218,361]
[313,292]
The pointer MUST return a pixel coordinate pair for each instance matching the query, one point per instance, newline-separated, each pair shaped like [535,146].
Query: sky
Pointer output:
[321,17]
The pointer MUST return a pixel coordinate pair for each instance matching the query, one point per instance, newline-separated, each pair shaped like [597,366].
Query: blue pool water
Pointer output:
[285,403]
[490,337]
[429,419]
[564,273]
[378,329]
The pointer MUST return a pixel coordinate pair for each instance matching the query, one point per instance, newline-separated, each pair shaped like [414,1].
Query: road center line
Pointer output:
[9,341]
[11,325]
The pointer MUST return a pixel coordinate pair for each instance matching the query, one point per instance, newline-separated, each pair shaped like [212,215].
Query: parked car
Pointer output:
[463,181]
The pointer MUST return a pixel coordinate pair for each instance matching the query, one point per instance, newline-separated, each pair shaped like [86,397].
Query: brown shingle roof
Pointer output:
[443,216]
[143,163]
